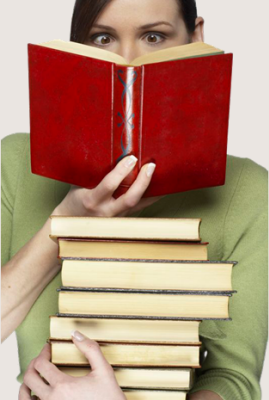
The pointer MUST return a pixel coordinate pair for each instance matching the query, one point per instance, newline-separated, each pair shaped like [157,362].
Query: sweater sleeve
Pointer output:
[12,150]
[233,366]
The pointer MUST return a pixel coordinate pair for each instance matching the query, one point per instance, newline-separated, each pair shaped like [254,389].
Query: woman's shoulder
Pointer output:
[12,146]
[15,138]
[240,163]
[248,202]
[246,174]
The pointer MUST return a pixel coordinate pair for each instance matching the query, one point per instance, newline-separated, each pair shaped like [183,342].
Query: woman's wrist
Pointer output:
[25,276]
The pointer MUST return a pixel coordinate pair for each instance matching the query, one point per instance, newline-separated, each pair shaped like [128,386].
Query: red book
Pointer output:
[86,114]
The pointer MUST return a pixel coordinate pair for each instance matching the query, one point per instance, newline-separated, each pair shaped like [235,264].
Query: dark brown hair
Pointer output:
[86,11]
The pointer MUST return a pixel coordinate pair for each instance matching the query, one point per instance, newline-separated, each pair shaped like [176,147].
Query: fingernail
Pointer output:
[150,169]
[78,336]
[130,161]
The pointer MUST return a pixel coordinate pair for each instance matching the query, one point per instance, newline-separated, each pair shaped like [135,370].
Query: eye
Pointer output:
[154,38]
[101,39]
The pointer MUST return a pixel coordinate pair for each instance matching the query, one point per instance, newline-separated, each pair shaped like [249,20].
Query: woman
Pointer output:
[233,222]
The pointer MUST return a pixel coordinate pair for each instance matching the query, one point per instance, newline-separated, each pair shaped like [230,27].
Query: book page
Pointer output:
[178,52]
[171,53]
[84,50]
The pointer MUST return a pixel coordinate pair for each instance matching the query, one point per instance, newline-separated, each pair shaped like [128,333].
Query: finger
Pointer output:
[45,352]
[24,393]
[91,350]
[131,198]
[48,371]
[113,179]
[33,381]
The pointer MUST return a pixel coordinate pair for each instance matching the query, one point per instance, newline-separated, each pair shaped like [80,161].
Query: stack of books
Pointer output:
[140,287]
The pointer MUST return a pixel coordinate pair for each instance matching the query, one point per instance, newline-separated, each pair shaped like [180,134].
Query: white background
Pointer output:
[237,26]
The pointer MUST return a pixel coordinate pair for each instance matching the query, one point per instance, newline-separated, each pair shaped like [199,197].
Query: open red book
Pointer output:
[89,109]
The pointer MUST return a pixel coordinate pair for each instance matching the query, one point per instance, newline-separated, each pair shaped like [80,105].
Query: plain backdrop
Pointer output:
[237,26]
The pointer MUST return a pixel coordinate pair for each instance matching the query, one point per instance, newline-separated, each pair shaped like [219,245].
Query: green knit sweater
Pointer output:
[234,222]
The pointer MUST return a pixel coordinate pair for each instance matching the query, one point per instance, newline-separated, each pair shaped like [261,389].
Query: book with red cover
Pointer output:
[86,114]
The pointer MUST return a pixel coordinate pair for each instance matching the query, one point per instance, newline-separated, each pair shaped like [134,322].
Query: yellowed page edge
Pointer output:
[175,53]
[172,53]
[84,50]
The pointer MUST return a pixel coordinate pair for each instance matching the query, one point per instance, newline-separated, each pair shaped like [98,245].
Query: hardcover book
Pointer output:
[146,355]
[155,304]
[132,394]
[89,109]
[126,330]
[145,378]
[181,229]
[127,249]
[169,274]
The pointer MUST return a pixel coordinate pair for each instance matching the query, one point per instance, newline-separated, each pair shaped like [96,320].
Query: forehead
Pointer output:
[139,12]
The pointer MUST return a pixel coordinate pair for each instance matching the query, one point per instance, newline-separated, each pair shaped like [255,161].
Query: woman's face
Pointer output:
[132,28]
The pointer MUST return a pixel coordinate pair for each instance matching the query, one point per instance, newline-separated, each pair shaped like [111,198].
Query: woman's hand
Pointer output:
[99,201]
[99,384]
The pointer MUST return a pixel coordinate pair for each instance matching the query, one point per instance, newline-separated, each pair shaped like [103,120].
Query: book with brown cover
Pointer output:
[124,355]
[120,330]
[87,112]
[144,378]
[132,394]
[131,249]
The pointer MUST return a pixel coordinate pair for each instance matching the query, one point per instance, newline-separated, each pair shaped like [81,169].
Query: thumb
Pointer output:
[91,350]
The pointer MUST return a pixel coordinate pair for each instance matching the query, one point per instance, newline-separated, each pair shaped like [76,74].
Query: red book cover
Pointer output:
[87,114]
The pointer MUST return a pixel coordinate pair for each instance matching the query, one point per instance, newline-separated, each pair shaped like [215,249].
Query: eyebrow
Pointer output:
[141,27]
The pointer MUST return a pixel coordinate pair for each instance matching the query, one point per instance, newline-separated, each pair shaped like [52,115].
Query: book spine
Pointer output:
[126,114]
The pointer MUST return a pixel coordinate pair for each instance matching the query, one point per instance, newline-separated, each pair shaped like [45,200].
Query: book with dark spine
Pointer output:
[144,378]
[148,274]
[131,249]
[158,304]
[124,355]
